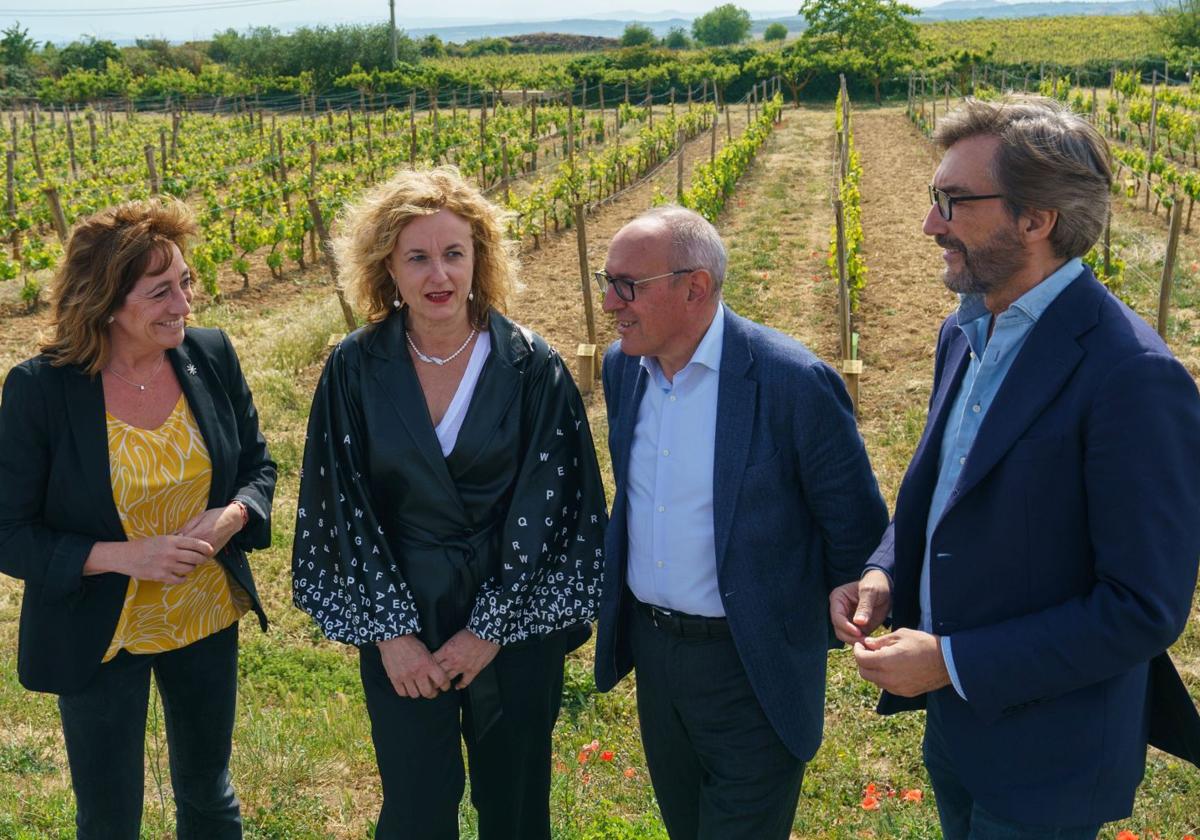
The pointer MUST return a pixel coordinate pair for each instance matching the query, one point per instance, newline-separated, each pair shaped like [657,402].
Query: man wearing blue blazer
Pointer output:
[1044,548]
[743,496]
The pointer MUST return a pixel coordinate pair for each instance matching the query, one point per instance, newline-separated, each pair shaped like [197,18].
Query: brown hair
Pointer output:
[1048,159]
[372,225]
[106,255]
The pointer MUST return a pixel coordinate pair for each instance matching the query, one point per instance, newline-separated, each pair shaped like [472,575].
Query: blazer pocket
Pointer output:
[1039,448]
[766,461]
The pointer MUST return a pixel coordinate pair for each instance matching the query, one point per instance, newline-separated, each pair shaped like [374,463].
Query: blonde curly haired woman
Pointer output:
[451,513]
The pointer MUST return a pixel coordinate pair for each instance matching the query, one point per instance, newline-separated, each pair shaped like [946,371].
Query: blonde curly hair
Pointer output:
[371,227]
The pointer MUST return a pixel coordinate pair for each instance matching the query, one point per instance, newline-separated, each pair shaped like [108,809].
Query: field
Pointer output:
[303,763]
[1068,41]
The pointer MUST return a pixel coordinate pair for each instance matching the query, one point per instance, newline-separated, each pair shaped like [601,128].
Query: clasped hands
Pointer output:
[905,662]
[169,558]
[416,672]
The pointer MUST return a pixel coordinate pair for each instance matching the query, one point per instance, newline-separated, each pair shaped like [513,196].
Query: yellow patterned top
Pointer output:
[161,479]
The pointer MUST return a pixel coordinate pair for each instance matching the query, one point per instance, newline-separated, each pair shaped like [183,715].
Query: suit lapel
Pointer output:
[1047,359]
[199,398]
[395,377]
[498,385]
[736,402]
[89,426]
[925,458]
[633,387]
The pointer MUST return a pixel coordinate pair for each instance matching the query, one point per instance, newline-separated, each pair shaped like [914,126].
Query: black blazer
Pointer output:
[56,499]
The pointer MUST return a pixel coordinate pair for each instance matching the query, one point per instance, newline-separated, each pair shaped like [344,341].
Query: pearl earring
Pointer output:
[470,296]
[112,318]
[396,303]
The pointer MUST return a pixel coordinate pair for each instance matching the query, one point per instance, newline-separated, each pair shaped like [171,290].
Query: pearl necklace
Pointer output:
[434,360]
[140,387]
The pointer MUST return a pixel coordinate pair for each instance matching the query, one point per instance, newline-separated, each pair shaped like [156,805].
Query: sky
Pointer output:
[177,20]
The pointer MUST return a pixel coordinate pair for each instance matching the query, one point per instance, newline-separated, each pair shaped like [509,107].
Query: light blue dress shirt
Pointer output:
[672,549]
[990,361]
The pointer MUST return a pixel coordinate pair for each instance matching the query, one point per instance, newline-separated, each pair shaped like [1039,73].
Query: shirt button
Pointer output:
[661,509]
[975,408]
[961,460]
[972,355]
[660,564]
[666,452]
[672,398]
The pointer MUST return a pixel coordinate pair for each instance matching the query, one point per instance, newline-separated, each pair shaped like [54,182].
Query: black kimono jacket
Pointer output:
[504,536]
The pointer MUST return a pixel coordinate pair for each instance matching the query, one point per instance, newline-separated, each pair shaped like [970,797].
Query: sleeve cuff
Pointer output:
[948,658]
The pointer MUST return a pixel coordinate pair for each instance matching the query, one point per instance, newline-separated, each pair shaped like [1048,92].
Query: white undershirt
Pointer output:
[447,431]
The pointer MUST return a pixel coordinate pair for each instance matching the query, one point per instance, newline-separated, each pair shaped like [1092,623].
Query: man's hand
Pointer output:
[906,663]
[464,656]
[411,669]
[858,607]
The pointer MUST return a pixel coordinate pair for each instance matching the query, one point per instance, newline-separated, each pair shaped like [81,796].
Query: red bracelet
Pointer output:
[245,511]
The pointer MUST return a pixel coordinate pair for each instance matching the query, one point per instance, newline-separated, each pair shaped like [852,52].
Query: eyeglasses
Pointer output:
[945,202]
[624,288]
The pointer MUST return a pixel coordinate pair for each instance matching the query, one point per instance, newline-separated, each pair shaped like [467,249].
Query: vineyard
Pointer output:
[820,206]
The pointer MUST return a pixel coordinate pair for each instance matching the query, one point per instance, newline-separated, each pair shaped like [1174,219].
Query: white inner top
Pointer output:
[447,430]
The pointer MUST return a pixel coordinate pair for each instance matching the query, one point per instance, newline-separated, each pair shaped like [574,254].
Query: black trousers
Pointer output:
[105,731]
[418,746]
[719,770]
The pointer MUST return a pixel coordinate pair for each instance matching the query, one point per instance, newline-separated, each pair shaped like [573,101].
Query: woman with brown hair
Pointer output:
[133,480]
[451,513]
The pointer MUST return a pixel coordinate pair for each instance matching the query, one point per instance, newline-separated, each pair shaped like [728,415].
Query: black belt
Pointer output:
[683,625]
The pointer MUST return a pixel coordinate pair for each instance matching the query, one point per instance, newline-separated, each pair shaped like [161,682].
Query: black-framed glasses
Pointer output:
[945,202]
[624,288]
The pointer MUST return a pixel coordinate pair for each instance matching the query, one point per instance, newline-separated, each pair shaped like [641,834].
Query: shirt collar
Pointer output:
[708,351]
[1033,304]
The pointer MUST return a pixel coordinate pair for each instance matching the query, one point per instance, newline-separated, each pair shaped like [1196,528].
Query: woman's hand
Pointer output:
[464,656]
[215,526]
[168,559]
[411,669]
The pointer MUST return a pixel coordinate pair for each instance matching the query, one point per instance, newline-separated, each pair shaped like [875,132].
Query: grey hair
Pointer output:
[695,243]
[1049,159]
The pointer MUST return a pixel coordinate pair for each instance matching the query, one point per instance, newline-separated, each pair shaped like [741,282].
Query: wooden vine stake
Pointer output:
[327,247]
[586,360]
[679,141]
[56,213]
[152,170]
[1168,275]
[10,165]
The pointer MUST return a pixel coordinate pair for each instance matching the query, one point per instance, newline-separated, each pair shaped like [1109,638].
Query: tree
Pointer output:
[16,46]
[637,35]
[875,36]
[1179,21]
[677,39]
[431,46]
[727,24]
[775,32]
[88,54]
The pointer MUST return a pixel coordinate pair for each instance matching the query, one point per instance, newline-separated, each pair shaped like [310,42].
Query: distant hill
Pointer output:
[610,27]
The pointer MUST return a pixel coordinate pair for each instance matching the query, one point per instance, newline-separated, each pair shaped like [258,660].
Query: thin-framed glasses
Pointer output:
[945,202]
[624,288]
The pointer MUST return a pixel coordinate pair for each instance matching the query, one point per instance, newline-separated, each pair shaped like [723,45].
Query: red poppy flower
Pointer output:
[913,795]
[1126,834]
[607,755]
[870,789]
[870,803]
[583,756]
[630,772]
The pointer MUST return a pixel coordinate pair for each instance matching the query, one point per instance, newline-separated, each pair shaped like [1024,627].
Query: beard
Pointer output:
[986,267]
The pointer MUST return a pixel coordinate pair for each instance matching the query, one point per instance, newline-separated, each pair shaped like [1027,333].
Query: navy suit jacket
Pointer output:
[796,512]
[1063,565]
[56,499]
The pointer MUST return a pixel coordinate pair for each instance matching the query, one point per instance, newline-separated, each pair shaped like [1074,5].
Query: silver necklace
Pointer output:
[140,387]
[434,360]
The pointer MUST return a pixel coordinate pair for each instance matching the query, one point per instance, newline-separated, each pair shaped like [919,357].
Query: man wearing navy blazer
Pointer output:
[743,496]
[1044,548]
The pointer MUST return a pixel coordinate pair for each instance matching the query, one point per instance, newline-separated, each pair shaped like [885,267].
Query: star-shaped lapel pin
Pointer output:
[191,369]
